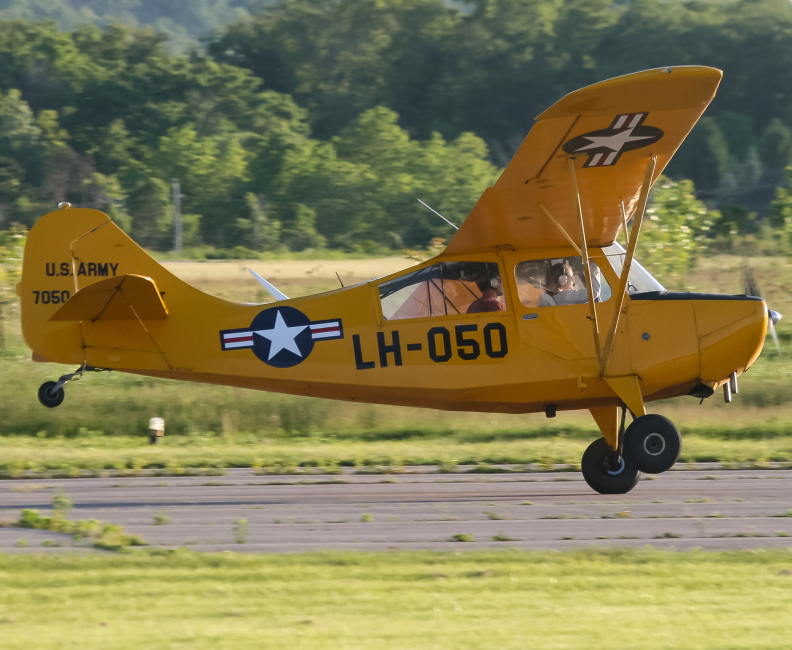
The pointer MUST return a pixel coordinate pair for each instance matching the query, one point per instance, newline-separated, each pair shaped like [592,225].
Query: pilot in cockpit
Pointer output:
[491,290]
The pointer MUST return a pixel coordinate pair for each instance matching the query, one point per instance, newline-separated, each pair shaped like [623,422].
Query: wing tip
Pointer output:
[705,78]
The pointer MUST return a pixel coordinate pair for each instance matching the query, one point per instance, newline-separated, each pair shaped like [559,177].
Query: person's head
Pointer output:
[490,283]
[558,278]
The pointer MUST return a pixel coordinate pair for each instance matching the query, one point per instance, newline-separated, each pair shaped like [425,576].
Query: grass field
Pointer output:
[423,600]
[103,422]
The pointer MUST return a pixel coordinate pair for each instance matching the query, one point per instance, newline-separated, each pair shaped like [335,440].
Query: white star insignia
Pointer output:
[613,142]
[282,337]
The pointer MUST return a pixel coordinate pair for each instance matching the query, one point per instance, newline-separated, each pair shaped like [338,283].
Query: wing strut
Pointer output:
[585,256]
[624,221]
[621,291]
[561,228]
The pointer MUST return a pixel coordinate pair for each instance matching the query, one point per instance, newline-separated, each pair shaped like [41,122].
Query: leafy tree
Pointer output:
[775,147]
[265,232]
[302,232]
[149,204]
[20,137]
[676,224]
[12,245]
[704,156]
[781,212]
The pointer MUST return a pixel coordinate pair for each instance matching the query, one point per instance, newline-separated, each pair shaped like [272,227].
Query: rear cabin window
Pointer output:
[558,281]
[444,289]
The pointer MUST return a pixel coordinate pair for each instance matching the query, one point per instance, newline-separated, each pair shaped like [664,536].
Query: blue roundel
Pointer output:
[282,336]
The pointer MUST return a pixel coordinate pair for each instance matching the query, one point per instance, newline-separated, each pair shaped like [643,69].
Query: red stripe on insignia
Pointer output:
[316,329]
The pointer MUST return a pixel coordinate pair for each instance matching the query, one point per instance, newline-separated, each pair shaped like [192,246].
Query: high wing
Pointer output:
[610,130]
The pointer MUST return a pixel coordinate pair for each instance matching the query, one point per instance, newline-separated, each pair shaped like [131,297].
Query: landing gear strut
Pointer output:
[606,470]
[651,444]
[51,393]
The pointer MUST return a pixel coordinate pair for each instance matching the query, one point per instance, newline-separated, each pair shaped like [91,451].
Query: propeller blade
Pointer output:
[772,321]
[771,327]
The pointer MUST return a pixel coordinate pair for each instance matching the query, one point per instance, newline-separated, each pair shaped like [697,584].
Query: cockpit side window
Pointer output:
[444,289]
[558,281]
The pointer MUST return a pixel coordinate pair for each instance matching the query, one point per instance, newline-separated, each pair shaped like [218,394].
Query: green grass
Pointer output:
[66,458]
[496,599]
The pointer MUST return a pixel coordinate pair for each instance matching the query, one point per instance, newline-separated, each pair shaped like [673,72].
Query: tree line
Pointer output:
[313,123]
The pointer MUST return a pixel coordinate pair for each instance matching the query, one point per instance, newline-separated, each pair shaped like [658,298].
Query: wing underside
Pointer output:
[610,131]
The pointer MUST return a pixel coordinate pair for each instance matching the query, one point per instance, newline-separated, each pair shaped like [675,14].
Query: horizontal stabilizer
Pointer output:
[127,297]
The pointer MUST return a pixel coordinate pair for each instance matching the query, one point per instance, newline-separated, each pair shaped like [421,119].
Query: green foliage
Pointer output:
[103,535]
[12,246]
[335,115]
[705,160]
[781,213]
[676,224]
[61,504]
[775,146]
[241,531]
[161,519]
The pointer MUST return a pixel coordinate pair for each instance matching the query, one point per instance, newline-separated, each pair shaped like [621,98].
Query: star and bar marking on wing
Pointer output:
[281,336]
[605,147]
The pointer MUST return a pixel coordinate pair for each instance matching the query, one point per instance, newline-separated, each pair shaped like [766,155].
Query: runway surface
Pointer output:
[681,509]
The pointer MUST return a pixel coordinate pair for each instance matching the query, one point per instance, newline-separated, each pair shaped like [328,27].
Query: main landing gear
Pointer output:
[51,393]
[651,444]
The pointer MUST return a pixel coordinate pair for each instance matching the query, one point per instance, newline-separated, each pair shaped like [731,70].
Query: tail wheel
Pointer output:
[49,396]
[653,443]
[605,471]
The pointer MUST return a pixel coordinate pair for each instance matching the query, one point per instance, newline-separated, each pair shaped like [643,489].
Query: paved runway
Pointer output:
[682,509]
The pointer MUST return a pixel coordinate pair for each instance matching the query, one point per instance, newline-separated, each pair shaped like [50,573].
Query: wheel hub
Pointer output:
[654,444]
[614,465]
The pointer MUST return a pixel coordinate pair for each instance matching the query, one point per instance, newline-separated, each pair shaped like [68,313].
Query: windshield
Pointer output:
[640,279]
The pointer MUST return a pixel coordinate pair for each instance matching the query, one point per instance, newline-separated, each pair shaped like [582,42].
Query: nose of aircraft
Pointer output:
[731,331]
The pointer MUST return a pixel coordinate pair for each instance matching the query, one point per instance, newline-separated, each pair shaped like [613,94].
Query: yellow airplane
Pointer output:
[532,307]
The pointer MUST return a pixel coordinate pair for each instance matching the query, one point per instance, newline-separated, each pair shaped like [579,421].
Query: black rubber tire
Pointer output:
[653,443]
[49,398]
[600,479]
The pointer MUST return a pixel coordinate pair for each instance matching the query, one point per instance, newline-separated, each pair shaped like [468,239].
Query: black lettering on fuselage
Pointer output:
[445,336]
[493,350]
[394,348]
[359,363]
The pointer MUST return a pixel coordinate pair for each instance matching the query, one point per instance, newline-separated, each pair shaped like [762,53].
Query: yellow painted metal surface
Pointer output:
[128,297]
